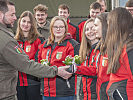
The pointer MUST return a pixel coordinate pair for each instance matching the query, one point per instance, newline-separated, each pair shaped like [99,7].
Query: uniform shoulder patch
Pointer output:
[18,49]
[105,61]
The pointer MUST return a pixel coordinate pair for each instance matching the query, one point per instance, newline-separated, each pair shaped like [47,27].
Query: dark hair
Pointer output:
[64,6]
[129,3]
[3,5]
[103,19]
[96,5]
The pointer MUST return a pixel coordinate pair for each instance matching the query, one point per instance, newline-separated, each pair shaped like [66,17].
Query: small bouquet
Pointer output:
[45,62]
[77,59]
[69,60]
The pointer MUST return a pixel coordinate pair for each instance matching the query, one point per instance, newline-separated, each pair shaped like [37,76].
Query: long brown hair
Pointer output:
[33,33]
[103,19]
[85,43]
[52,38]
[120,24]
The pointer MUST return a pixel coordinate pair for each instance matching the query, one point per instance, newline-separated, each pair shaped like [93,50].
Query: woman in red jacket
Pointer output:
[28,87]
[119,43]
[88,43]
[102,76]
[99,65]
[58,46]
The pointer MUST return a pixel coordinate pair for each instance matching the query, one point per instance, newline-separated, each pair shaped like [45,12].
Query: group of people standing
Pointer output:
[104,41]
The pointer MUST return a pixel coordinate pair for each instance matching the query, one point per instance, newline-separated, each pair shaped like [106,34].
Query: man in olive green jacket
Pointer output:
[40,13]
[13,58]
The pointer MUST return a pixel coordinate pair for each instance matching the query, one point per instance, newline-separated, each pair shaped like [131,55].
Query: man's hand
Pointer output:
[72,68]
[63,73]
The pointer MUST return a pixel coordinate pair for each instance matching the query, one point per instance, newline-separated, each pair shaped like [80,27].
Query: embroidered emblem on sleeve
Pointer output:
[104,61]
[18,49]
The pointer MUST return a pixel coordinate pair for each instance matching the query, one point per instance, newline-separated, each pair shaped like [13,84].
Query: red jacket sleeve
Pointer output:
[85,70]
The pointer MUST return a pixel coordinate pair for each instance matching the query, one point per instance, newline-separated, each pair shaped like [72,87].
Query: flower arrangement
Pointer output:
[69,60]
[77,59]
[45,62]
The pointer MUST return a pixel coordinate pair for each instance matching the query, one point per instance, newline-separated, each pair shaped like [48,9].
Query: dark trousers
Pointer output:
[31,92]
[59,98]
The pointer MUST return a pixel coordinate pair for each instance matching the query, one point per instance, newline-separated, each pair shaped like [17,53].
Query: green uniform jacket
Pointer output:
[12,60]
[44,31]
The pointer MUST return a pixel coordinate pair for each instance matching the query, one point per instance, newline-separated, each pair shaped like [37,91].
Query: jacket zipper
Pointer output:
[49,62]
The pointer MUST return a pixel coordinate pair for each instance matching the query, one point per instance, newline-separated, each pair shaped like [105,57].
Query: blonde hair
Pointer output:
[40,7]
[52,38]
[85,43]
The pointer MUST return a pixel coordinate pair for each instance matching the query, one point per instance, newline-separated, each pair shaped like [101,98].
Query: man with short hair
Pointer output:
[64,11]
[95,9]
[14,59]
[40,13]
[129,6]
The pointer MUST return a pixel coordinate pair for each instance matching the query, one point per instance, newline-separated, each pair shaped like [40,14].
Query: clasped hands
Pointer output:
[66,71]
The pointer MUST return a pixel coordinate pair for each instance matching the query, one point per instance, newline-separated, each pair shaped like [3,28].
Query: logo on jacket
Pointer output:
[104,61]
[58,55]
[21,45]
[18,49]
[28,48]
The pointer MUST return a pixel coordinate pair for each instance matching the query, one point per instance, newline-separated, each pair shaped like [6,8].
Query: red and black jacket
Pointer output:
[72,29]
[89,79]
[55,54]
[99,68]
[120,85]
[30,50]
[102,77]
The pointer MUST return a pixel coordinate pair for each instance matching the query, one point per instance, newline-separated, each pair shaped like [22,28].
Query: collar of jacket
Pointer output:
[6,30]
[63,43]
[23,39]
[68,20]
[94,45]
[46,26]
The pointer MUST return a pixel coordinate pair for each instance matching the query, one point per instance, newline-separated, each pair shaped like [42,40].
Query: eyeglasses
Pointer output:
[58,27]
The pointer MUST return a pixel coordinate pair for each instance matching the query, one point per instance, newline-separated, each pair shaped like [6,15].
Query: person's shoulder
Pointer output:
[82,21]
[73,42]
[41,38]
[47,23]
[5,40]
[4,36]
[72,24]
